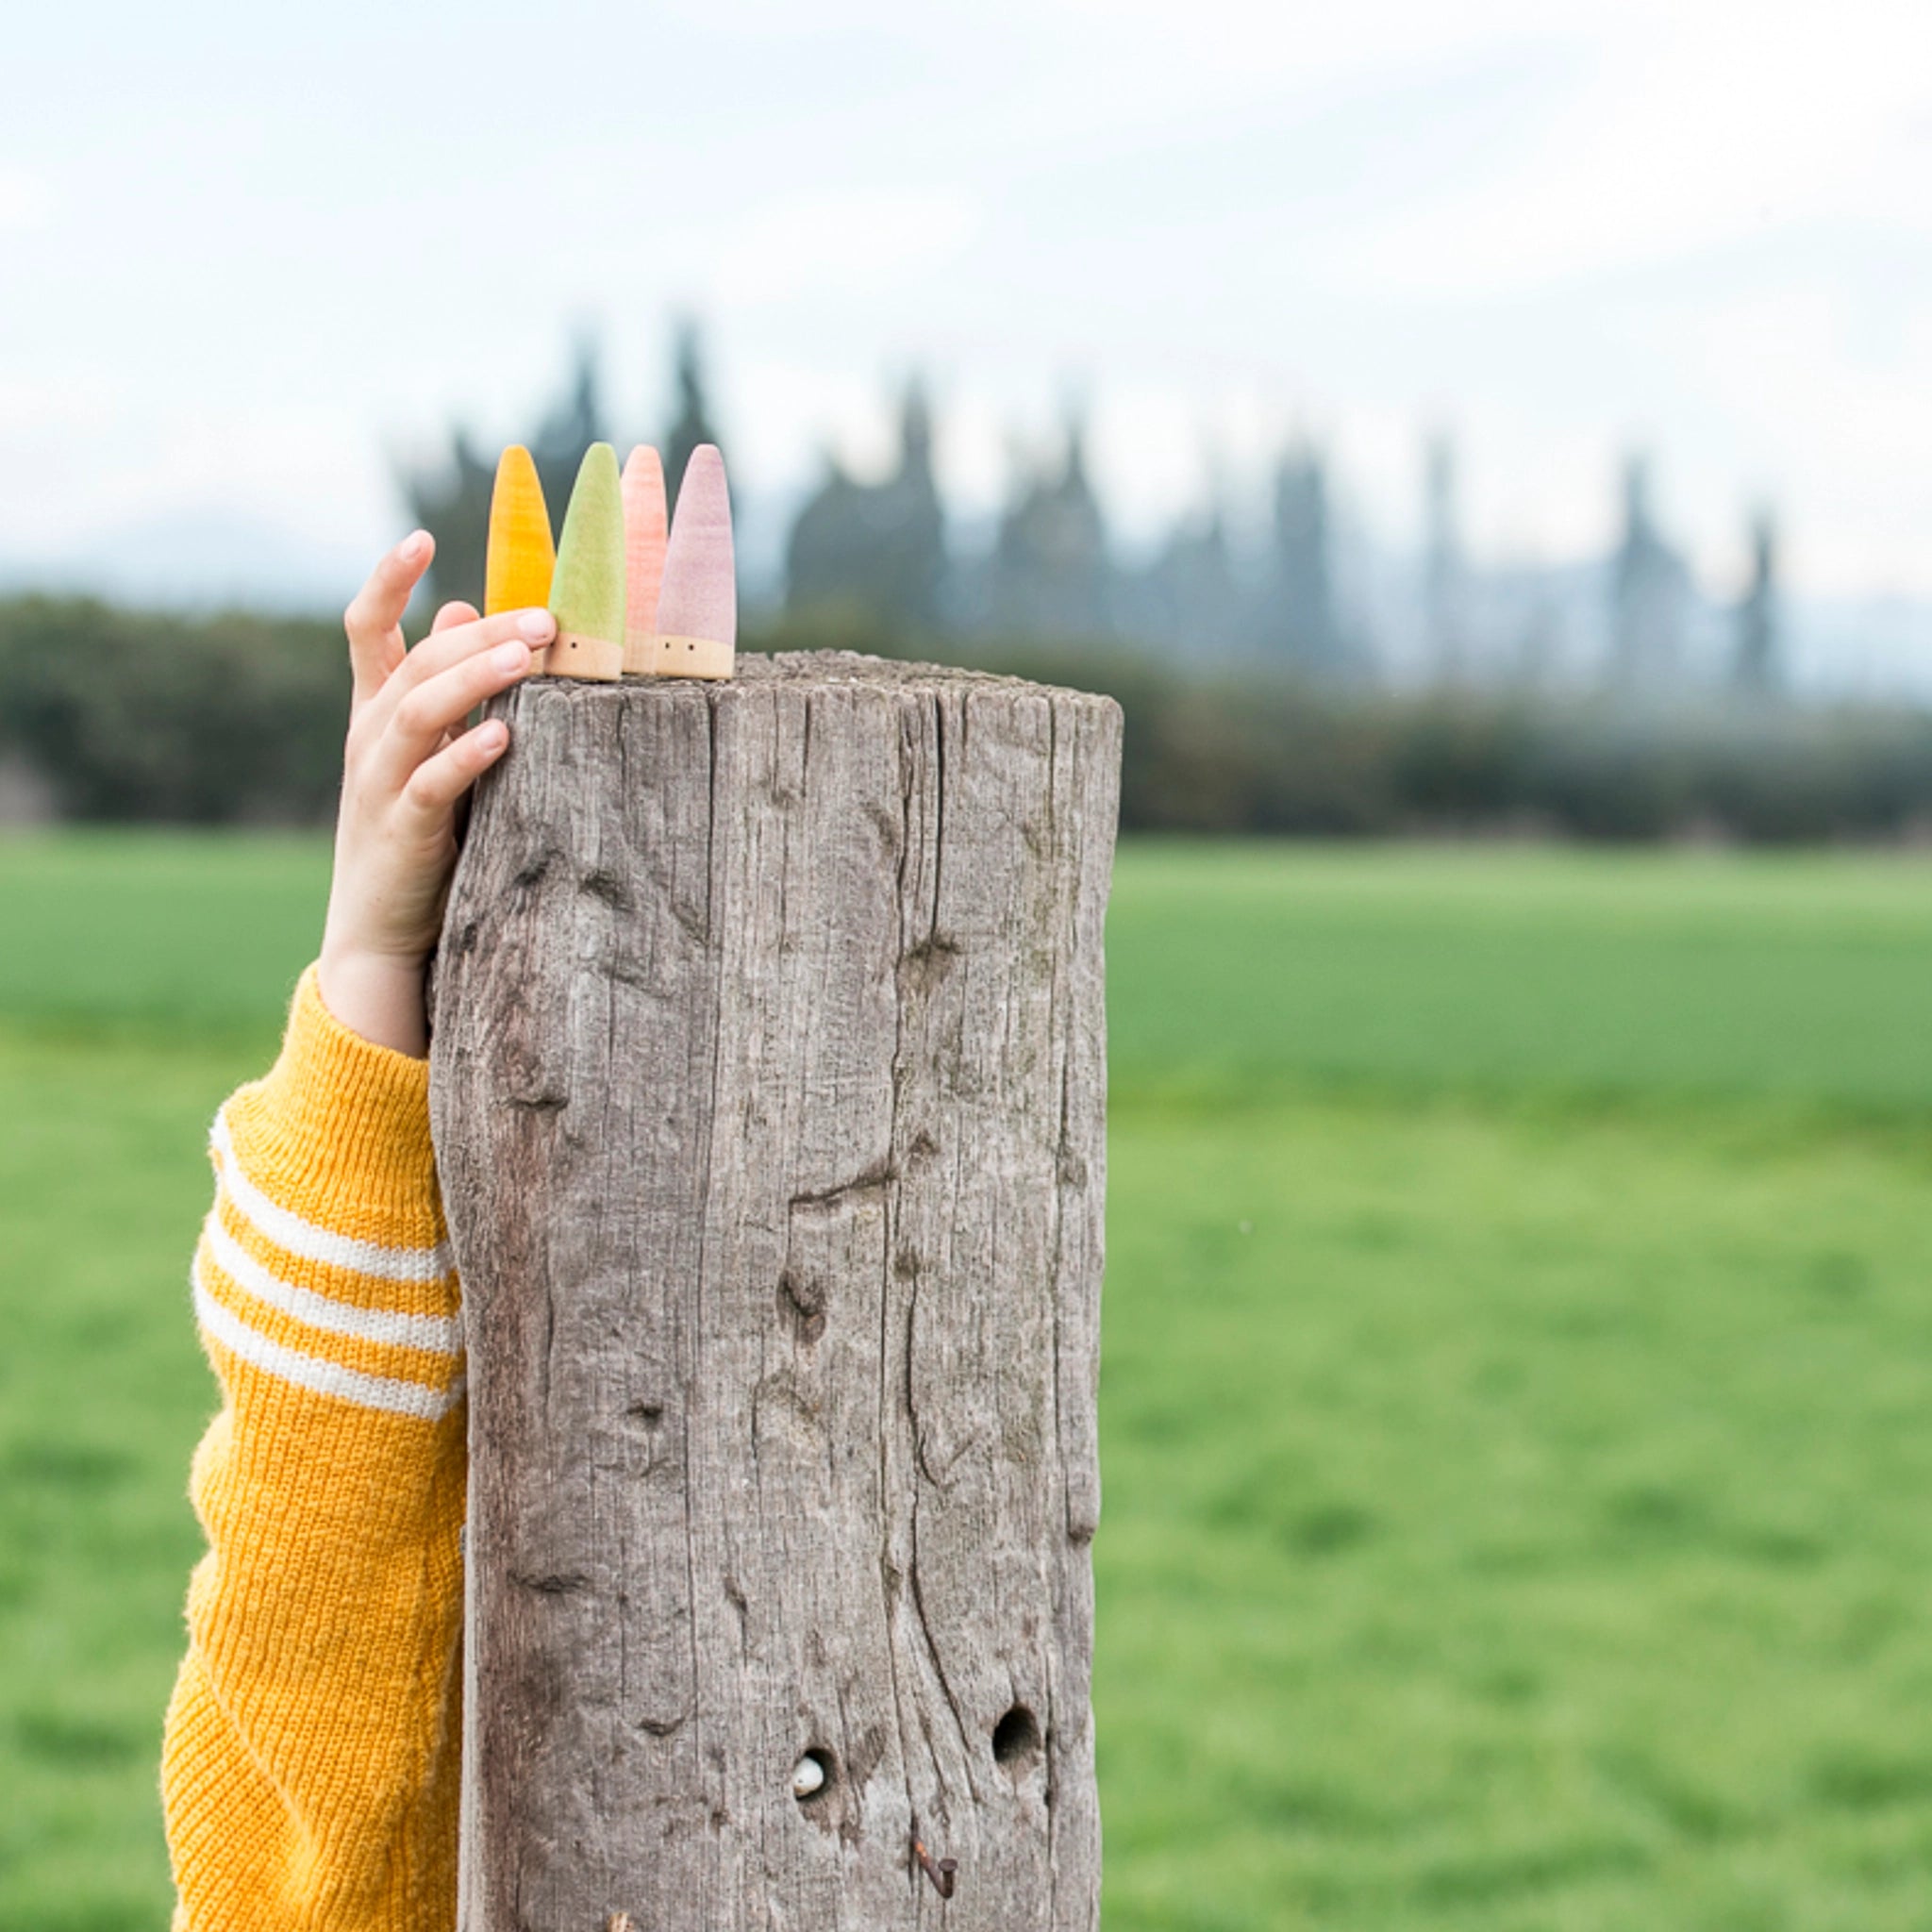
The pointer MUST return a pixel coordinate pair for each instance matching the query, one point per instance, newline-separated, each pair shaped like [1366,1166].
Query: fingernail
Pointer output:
[538,626]
[491,735]
[411,548]
[511,657]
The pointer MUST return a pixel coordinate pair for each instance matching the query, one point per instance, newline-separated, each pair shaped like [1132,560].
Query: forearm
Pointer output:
[378,997]
[312,1744]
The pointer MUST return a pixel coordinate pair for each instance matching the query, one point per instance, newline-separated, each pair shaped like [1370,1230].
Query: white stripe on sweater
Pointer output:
[440,1333]
[312,1243]
[309,1372]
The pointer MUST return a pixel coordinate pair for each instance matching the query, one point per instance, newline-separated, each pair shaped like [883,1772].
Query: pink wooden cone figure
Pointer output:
[643,551]
[697,605]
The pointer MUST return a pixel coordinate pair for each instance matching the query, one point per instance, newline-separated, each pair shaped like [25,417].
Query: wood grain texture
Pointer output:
[768,1076]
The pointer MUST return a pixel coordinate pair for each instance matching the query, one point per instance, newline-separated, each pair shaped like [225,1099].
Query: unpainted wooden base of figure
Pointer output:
[574,655]
[674,657]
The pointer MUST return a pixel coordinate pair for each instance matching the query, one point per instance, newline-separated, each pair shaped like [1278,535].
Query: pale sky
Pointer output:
[247,255]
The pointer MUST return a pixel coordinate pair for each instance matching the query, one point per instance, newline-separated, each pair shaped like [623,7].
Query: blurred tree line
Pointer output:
[135,715]
[111,713]
[130,716]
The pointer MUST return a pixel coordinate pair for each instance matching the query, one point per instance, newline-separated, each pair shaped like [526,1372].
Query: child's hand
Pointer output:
[407,763]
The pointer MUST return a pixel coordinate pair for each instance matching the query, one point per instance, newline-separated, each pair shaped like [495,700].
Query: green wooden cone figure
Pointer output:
[586,592]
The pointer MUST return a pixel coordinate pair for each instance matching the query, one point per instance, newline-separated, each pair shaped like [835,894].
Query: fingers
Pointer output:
[442,648]
[457,610]
[438,782]
[438,704]
[375,620]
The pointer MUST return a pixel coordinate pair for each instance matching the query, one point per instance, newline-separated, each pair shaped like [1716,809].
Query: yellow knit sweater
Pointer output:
[309,1768]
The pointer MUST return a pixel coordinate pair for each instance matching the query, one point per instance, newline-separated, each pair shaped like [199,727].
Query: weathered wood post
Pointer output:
[769,1089]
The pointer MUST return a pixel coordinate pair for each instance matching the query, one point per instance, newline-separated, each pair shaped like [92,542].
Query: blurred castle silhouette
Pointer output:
[880,550]
[881,553]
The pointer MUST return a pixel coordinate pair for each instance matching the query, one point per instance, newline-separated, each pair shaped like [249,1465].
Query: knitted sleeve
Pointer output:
[311,1759]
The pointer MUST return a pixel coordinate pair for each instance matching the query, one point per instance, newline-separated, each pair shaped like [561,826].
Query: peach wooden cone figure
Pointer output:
[644,549]
[697,606]
[521,557]
[586,592]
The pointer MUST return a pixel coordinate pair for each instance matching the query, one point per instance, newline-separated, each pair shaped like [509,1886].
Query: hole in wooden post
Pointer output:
[813,1780]
[1016,1740]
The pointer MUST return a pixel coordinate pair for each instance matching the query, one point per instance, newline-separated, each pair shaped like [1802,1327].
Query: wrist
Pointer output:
[379,995]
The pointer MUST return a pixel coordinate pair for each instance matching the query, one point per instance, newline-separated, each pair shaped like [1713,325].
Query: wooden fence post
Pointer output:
[769,1092]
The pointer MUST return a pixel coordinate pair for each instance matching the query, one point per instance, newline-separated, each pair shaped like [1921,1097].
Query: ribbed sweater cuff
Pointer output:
[351,1119]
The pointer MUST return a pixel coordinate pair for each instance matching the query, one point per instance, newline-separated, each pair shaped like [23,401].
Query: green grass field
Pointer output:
[1517,1409]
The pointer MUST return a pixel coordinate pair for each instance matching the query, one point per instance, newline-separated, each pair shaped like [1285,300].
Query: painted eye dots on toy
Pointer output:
[631,598]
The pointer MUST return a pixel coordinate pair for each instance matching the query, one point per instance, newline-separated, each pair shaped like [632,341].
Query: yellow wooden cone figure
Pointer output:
[516,575]
[588,591]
